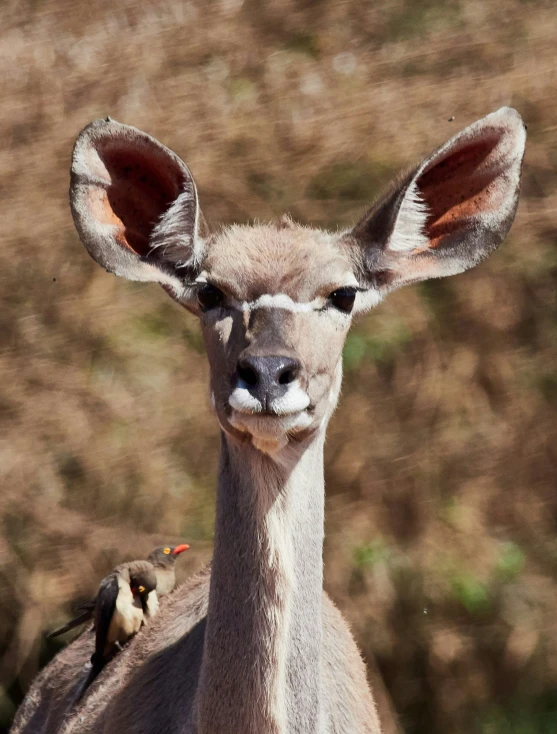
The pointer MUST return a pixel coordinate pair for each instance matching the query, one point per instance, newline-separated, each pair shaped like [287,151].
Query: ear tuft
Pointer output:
[410,227]
[177,226]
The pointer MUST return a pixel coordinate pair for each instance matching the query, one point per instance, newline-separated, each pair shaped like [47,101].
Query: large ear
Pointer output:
[135,207]
[447,215]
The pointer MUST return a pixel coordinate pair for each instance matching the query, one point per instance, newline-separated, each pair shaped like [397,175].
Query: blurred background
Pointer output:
[441,516]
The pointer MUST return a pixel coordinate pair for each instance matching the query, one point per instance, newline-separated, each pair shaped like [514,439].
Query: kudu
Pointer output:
[254,646]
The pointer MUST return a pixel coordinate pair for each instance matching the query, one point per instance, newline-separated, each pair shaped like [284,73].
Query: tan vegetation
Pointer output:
[442,506]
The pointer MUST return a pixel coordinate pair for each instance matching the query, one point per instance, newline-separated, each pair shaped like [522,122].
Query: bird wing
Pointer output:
[87,605]
[85,616]
[104,609]
[105,604]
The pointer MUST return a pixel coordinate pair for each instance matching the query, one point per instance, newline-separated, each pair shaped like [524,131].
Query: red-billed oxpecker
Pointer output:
[127,598]
[162,558]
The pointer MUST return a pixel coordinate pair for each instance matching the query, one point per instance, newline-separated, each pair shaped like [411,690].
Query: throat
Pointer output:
[166,580]
[262,656]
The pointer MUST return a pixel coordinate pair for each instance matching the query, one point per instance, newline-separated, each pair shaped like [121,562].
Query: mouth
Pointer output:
[273,424]
[270,432]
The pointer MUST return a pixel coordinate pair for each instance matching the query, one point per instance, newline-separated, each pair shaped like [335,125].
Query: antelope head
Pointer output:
[276,301]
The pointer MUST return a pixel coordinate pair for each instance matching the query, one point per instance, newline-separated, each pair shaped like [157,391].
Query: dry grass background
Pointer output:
[442,507]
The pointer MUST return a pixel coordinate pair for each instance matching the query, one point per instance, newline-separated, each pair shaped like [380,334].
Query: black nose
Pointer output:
[267,378]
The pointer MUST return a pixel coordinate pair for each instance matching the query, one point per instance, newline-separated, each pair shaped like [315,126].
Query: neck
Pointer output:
[262,656]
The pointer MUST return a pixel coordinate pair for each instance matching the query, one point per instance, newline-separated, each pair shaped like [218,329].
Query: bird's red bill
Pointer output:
[180,549]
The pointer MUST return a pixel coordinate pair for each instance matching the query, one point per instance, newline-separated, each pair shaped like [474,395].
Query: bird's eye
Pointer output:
[343,299]
[166,551]
[141,589]
[209,297]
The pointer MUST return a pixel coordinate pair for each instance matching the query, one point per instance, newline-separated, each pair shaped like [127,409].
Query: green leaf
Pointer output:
[471,593]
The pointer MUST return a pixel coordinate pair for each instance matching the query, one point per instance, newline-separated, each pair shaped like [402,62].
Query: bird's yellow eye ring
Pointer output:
[166,551]
[141,589]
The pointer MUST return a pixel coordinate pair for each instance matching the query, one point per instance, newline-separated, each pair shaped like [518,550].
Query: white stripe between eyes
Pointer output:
[281,300]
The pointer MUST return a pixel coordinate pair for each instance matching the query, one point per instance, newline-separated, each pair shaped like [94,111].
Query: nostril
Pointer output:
[248,375]
[286,377]
[288,371]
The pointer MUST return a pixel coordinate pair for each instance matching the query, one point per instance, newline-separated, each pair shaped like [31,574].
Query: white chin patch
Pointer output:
[270,433]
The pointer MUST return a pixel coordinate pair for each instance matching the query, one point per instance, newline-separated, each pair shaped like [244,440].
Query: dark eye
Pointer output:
[343,299]
[209,297]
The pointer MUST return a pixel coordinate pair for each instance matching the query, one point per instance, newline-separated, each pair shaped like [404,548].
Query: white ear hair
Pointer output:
[177,233]
[409,230]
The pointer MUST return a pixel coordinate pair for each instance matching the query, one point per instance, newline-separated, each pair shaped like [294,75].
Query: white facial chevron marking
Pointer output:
[281,300]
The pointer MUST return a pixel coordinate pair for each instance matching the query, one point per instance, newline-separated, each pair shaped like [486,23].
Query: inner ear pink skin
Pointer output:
[458,187]
[141,189]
